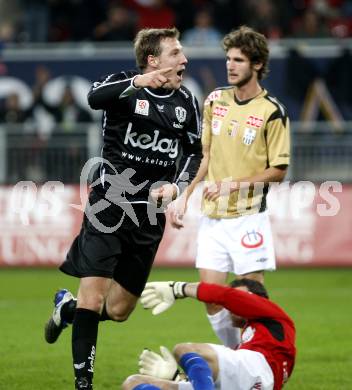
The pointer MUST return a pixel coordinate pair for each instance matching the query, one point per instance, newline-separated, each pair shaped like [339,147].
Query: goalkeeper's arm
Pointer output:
[190,290]
[159,296]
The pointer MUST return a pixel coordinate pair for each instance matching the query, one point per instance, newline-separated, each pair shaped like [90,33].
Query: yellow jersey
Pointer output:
[245,138]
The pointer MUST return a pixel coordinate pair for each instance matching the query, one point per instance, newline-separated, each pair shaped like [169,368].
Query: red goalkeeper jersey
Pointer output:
[268,330]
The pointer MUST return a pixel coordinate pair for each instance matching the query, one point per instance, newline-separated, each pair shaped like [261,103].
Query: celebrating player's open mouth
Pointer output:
[175,79]
[180,74]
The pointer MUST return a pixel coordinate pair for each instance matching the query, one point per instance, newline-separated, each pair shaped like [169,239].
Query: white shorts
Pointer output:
[239,370]
[238,245]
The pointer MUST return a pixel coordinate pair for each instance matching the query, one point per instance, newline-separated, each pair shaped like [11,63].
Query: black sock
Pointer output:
[68,311]
[104,314]
[84,340]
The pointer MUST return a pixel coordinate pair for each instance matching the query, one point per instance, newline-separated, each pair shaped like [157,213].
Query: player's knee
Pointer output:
[120,312]
[132,381]
[92,302]
[180,349]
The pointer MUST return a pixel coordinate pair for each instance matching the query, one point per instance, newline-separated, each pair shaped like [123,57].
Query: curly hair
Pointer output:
[252,44]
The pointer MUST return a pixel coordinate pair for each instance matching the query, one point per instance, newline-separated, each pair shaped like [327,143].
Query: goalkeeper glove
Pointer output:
[162,366]
[159,296]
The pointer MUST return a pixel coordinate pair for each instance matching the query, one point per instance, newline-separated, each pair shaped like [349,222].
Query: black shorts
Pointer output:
[126,254]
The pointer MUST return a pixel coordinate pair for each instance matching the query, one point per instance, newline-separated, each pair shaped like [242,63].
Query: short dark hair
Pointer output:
[252,44]
[147,42]
[253,286]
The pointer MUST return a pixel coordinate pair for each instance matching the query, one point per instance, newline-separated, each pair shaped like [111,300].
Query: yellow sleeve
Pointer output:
[206,127]
[278,141]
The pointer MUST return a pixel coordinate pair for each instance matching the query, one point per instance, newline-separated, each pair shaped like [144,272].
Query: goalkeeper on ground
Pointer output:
[264,359]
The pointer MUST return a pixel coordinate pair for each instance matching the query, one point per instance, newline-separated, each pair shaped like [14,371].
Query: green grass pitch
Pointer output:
[320,302]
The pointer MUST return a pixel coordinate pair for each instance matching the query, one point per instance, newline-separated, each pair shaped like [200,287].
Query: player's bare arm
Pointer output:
[221,188]
[164,194]
[179,207]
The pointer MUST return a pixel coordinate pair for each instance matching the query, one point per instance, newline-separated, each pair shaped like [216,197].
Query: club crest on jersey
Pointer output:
[249,135]
[248,334]
[233,128]
[142,107]
[215,126]
[181,114]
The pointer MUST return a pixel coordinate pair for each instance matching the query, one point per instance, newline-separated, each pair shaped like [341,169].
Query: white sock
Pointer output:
[183,385]
[222,325]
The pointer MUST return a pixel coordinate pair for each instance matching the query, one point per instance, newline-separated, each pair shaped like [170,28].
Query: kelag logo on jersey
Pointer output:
[145,141]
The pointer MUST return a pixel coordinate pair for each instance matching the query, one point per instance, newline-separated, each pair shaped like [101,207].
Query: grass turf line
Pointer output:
[319,300]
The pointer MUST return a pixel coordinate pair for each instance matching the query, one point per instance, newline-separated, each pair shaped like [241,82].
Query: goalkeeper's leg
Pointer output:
[199,361]
[146,382]
[198,371]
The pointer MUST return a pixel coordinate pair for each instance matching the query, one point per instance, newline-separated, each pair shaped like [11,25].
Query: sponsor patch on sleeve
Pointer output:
[211,97]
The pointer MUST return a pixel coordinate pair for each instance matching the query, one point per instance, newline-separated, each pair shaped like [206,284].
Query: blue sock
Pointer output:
[146,386]
[198,371]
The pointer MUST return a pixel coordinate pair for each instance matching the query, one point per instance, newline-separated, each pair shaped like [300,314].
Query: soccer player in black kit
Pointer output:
[151,135]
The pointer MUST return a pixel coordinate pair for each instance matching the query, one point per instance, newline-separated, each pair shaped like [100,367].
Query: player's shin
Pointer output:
[198,371]
[84,339]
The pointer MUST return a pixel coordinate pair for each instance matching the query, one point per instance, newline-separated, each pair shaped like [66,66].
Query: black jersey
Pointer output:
[156,132]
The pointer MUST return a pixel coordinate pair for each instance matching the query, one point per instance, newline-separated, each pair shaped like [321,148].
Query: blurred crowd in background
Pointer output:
[64,110]
[201,22]
[43,108]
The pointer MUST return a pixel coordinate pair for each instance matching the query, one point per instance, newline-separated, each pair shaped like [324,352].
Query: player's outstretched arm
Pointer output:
[160,296]
[155,79]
